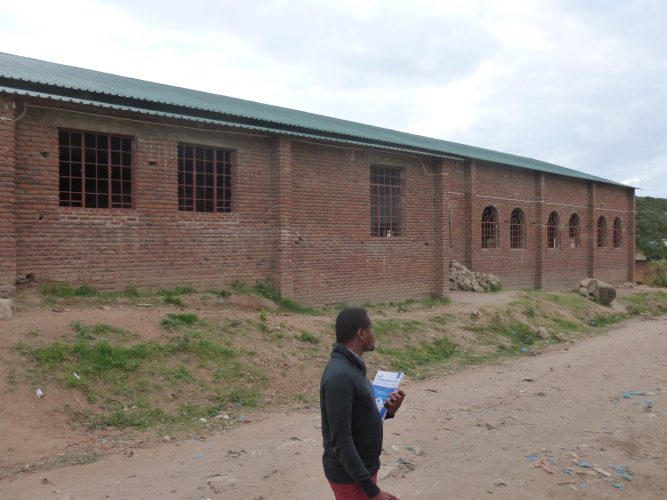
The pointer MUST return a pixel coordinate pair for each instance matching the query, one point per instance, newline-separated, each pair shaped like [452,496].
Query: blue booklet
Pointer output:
[384,384]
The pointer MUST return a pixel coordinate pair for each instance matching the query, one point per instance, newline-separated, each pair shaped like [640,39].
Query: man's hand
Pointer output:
[385,495]
[394,402]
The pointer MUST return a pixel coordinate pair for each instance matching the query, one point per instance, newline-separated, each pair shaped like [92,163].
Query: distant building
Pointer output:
[112,181]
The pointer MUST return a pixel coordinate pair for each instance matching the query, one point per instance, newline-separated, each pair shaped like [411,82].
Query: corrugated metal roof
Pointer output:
[25,74]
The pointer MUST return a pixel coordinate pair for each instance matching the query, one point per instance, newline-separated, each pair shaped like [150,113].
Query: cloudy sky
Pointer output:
[579,83]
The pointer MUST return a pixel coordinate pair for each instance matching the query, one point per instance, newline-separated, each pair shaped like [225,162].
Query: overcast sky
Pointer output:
[579,83]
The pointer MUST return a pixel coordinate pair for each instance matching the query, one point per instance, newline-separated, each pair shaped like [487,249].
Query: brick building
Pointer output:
[111,181]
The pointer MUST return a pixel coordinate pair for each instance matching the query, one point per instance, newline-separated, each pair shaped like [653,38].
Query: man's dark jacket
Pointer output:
[351,423]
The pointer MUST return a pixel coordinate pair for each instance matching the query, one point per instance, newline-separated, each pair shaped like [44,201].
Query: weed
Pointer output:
[264,315]
[178,321]
[243,397]
[131,291]
[605,320]
[264,289]
[64,291]
[383,327]
[407,358]
[182,373]
[653,303]
[308,337]
[99,330]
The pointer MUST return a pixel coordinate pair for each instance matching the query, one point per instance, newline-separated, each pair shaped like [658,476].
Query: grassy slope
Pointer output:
[214,370]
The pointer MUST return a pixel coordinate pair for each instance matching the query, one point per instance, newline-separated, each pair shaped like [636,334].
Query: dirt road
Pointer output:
[494,432]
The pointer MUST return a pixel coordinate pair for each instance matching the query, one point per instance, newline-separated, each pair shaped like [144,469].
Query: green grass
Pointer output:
[179,321]
[411,357]
[128,383]
[264,289]
[64,291]
[100,331]
[403,327]
[651,303]
[308,337]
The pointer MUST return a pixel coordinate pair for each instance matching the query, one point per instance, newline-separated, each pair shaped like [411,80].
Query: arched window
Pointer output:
[490,228]
[618,233]
[602,231]
[553,230]
[517,229]
[574,231]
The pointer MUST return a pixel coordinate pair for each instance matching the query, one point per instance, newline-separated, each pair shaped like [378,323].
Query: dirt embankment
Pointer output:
[523,427]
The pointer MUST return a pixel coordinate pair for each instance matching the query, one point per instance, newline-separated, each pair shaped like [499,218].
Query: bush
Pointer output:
[657,273]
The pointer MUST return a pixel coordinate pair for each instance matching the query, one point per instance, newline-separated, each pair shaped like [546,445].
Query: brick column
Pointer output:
[540,229]
[592,229]
[629,240]
[470,177]
[283,277]
[7,192]
[440,228]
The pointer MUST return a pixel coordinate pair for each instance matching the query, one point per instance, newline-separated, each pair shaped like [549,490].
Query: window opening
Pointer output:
[553,230]
[386,201]
[602,231]
[574,231]
[95,170]
[517,229]
[618,233]
[204,179]
[490,228]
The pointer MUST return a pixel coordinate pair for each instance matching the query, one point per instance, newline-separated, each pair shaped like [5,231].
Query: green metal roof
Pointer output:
[22,75]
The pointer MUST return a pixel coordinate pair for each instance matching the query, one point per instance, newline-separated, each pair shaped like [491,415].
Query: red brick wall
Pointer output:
[335,258]
[152,244]
[611,264]
[7,192]
[301,217]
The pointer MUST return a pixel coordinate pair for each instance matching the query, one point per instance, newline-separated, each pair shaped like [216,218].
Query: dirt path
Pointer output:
[472,435]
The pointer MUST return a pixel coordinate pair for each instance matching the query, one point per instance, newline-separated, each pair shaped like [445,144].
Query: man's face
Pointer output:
[369,338]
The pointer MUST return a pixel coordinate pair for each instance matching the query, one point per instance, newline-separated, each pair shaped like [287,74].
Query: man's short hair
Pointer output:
[349,321]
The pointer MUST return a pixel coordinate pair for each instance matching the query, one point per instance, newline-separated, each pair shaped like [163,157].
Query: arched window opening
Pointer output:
[553,230]
[618,233]
[490,228]
[574,231]
[517,229]
[602,231]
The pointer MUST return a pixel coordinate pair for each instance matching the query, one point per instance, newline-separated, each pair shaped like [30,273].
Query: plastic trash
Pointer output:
[586,465]
[618,486]
[533,457]
[621,471]
[39,393]
[523,349]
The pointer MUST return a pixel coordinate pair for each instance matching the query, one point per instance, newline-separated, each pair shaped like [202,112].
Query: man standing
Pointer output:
[351,423]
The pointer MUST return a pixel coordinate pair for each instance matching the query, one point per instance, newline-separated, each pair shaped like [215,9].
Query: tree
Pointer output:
[652,227]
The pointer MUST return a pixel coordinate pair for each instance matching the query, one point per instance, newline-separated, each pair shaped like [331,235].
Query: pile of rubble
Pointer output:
[597,290]
[462,278]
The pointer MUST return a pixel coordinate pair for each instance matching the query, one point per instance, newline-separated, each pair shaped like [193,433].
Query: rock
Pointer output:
[585,282]
[602,292]
[6,308]
[252,303]
[7,290]
[583,290]
[542,333]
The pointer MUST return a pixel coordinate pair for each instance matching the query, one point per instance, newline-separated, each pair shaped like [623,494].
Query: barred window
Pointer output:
[517,229]
[204,179]
[490,235]
[95,170]
[602,231]
[574,231]
[618,233]
[553,230]
[386,201]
